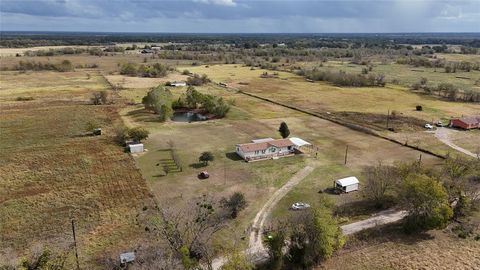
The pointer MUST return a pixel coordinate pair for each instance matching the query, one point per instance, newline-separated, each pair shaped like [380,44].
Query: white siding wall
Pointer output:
[271,151]
[351,188]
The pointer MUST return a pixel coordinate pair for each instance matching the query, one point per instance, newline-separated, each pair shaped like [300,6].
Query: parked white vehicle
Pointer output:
[428,126]
[300,206]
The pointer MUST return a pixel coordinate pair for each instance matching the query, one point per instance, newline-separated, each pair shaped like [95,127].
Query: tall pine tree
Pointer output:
[284,131]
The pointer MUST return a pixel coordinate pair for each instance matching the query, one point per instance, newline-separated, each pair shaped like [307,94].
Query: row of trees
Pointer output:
[447,90]
[306,239]
[193,99]
[188,231]
[342,78]
[159,100]
[62,66]
[450,66]
[427,195]
[197,80]
[98,51]
[156,70]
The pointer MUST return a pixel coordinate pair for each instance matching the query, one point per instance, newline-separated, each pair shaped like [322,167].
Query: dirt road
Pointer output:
[442,134]
[256,250]
[381,218]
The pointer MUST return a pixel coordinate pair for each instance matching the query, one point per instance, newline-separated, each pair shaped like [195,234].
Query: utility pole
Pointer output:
[346,155]
[388,117]
[225,172]
[75,243]
[420,159]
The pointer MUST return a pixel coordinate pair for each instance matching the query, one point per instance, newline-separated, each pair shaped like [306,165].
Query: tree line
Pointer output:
[449,66]
[62,66]
[160,101]
[446,90]
[341,78]
[153,71]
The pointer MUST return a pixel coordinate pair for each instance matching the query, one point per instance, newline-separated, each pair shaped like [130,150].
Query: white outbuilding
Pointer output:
[127,257]
[135,148]
[347,184]
[178,84]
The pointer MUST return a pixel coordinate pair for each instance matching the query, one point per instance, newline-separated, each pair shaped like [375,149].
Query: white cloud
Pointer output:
[229,3]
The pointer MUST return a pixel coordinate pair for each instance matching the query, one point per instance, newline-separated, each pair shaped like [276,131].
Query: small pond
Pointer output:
[188,117]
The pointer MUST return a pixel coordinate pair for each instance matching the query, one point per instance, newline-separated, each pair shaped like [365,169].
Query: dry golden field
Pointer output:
[433,250]
[52,172]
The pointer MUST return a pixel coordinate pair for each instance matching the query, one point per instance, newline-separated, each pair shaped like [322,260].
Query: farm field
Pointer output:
[248,119]
[109,64]
[407,75]
[53,173]
[344,103]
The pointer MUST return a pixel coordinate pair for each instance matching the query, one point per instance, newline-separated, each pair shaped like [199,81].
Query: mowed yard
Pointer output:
[53,173]
[248,119]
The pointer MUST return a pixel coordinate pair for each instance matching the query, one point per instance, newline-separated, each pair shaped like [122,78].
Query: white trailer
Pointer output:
[347,184]
[135,148]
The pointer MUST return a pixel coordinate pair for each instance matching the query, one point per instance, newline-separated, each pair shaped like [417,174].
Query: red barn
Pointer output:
[466,122]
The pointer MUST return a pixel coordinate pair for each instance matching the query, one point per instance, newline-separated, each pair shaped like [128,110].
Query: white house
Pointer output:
[347,184]
[269,148]
[178,84]
[265,149]
[135,148]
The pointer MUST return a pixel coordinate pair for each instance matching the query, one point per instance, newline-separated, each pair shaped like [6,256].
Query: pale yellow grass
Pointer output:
[322,97]
[142,82]
[441,252]
[14,83]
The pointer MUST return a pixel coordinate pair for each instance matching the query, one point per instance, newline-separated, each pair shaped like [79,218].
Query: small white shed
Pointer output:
[178,84]
[347,184]
[127,257]
[135,148]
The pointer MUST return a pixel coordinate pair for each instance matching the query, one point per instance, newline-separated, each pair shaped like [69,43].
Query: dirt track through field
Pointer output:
[381,218]
[256,250]
[442,134]
[255,245]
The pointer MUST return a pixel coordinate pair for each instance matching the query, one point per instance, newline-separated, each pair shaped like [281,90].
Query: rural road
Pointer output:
[256,250]
[442,134]
[380,218]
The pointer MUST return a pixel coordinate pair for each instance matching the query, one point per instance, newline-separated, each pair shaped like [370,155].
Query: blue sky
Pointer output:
[241,16]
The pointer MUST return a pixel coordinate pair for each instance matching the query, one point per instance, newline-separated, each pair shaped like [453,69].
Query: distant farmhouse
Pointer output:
[269,148]
[178,84]
[466,122]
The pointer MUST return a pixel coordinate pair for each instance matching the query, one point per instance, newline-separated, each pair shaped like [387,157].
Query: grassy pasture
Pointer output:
[394,250]
[407,75]
[52,173]
[322,98]
[109,64]
[251,118]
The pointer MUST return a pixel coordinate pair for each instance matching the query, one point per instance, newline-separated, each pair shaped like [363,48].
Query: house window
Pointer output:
[256,152]
[274,149]
[263,151]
